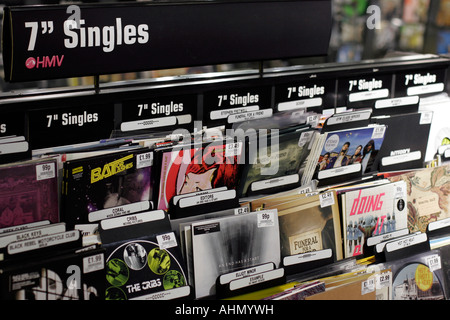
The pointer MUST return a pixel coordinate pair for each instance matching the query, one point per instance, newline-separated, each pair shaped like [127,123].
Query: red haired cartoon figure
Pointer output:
[194,170]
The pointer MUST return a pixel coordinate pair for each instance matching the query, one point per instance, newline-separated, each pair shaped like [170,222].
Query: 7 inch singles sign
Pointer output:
[58,41]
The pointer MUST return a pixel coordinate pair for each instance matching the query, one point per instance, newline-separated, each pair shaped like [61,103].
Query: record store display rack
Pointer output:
[317,182]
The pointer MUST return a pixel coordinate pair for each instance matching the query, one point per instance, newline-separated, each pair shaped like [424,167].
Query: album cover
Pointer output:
[444,253]
[428,195]
[405,142]
[419,277]
[64,271]
[28,192]
[347,154]
[231,243]
[277,166]
[140,269]
[192,168]
[143,258]
[439,130]
[105,186]
[307,224]
[371,212]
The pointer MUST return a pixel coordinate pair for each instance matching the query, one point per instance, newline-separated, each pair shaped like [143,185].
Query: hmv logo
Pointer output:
[44,62]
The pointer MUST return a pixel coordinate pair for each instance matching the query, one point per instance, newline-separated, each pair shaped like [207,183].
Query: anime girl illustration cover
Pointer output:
[191,169]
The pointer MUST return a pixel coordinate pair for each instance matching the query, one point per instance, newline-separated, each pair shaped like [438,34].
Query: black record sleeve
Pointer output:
[105,186]
[405,143]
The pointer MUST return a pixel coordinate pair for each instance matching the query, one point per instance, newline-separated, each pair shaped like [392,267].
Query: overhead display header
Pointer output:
[60,41]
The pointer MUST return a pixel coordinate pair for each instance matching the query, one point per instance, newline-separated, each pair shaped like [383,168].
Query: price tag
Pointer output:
[45,171]
[241,210]
[368,285]
[266,218]
[378,132]
[383,280]
[426,117]
[166,241]
[434,262]
[93,263]
[144,160]
[313,120]
[326,199]
[233,149]
[305,137]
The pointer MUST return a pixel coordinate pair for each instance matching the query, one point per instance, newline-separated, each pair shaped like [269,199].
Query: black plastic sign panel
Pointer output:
[361,91]
[420,82]
[308,94]
[222,106]
[59,41]
[156,113]
[65,125]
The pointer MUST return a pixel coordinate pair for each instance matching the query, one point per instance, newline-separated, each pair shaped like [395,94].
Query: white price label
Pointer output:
[266,218]
[368,286]
[305,137]
[45,171]
[313,120]
[434,262]
[166,241]
[241,210]
[383,280]
[326,199]
[426,117]
[144,160]
[378,132]
[233,149]
[93,263]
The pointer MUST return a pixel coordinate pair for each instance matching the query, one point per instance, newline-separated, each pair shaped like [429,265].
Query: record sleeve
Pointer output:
[191,168]
[418,277]
[309,224]
[371,212]
[52,267]
[276,165]
[141,269]
[405,142]
[105,186]
[439,129]
[347,154]
[28,192]
[428,195]
[231,243]
[143,258]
